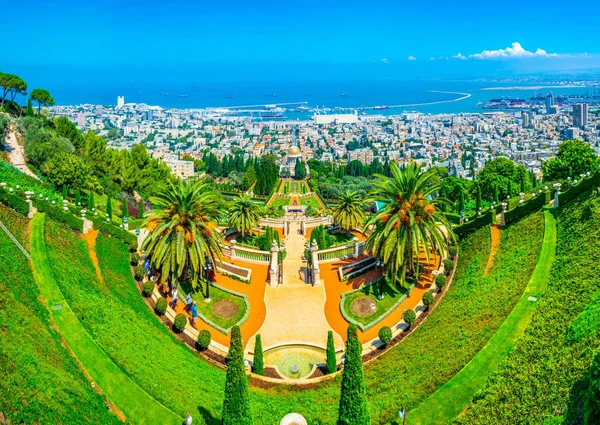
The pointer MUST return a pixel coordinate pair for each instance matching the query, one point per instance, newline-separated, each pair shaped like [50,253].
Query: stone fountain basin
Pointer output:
[295,361]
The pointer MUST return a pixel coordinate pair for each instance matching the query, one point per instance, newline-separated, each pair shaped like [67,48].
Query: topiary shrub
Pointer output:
[259,364]
[452,251]
[331,358]
[140,272]
[148,288]
[134,259]
[180,322]
[440,281]
[161,305]
[385,334]
[448,265]
[409,317]
[204,339]
[427,299]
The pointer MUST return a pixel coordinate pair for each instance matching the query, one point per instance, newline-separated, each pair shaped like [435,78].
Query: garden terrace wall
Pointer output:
[57,214]
[19,205]
[526,208]
[583,186]
[485,219]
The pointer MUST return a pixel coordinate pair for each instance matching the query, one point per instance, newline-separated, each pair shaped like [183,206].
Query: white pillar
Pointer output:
[232,250]
[355,247]
[274,268]
[315,263]
[502,219]
[285,226]
[557,187]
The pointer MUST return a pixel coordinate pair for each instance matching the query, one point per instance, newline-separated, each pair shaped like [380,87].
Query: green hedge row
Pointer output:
[576,190]
[526,208]
[486,218]
[56,213]
[19,205]
[109,229]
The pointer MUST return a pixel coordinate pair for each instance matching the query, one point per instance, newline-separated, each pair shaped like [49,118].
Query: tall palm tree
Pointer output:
[410,222]
[244,214]
[349,213]
[183,231]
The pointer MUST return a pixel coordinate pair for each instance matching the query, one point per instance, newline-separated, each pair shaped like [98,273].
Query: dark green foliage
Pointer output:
[525,208]
[300,170]
[180,322]
[161,305]
[148,287]
[204,339]
[58,214]
[42,145]
[42,97]
[134,259]
[576,190]
[385,334]
[452,250]
[353,407]
[331,358]
[15,202]
[440,281]
[259,366]
[592,402]
[473,224]
[427,299]
[109,208]
[29,111]
[124,209]
[478,204]
[322,236]
[91,204]
[501,175]
[409,316]
[141,210]
[236,407]
[140,272]
[448,265]
[574,157]
[108,229]
[77,197]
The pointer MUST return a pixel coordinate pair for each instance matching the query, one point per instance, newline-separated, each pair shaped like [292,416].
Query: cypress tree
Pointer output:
[496,194]
[77,197]
[124,210]
[141,209]
[29,112]
[331,360]
[592,403]
[478,198]
[523,184]
[259,366]
[509,188]
[109,208]
[64,192]
[461,201]
[91,205]
[353,408]
[236,409]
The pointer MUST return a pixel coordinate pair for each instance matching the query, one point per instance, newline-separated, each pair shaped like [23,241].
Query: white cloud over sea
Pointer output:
[515,51]
[412,58]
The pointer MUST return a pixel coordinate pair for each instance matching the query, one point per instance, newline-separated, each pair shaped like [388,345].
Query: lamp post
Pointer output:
[207,270]
[380,266]
[402,415]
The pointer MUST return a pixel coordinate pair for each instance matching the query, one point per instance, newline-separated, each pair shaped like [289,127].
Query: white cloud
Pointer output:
[412,58]
[459,56]
[432,58]
[515,51]
[384,60]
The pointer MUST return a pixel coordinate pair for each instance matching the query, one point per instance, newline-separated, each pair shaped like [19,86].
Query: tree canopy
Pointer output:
[574,157]
[42,97]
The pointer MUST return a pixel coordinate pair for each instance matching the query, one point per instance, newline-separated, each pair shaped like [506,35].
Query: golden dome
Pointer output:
[294,150]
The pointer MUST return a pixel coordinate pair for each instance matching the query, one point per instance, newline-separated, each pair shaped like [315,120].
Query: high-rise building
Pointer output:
[525,117]
[550,109]
[81,120]
[580,115]
[120,101]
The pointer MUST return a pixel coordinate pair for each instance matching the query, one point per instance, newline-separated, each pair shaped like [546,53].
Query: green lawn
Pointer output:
[340,238]
[447,402]
[544,378]
[310,201]
[391,297]
[126,394]
[278,201]
[217,294]
[41,381]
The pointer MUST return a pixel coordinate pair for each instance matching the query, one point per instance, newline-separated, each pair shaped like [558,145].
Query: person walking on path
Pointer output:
[175,297]
[194,311]
[189,301]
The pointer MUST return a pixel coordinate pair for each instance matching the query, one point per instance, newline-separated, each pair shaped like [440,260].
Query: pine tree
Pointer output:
[236,409]
[259,367]
[331,359]
[353,408]
[109,208]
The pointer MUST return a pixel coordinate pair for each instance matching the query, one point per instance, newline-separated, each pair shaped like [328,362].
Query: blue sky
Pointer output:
[315,39]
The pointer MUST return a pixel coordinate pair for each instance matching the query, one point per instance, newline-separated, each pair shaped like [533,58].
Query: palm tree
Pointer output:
[349,213]
[183,231]
[410,222]
[244,214]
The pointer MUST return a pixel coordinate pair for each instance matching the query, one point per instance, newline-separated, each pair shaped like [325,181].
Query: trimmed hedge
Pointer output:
[19,205]
[180,322]
[427,299]
[111,230]
[583,186]
[440,281]
[485,219]
[148,287]
[204,339]
[385,334]
[161,305]
[526,208]
[56,213]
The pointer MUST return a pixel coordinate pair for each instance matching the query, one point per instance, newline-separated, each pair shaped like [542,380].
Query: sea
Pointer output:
[427,96]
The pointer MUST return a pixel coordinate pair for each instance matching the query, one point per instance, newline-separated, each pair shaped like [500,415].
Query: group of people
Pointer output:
[192,308]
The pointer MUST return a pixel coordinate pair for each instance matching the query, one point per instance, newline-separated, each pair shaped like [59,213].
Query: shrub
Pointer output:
[161,305]
[134,259]
[204,339]
[440,281]
[259,364]
[448,265]
[148,287]
[236,408]
[452,251]
[409,317]
[353,407]
[331,359]
[140,272]
[180,322]
[592,402]
[427,299]
[385,334]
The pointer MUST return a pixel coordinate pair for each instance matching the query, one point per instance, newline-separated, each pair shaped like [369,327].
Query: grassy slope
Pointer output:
[134,402]
[453,398]
[41,382]
[544,376]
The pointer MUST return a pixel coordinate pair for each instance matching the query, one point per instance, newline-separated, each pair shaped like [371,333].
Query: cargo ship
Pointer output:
[381,107]
[271,115]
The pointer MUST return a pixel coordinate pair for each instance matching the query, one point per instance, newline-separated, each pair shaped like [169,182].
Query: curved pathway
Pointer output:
[455,396]
[137,405]
[15,154]
[495,235]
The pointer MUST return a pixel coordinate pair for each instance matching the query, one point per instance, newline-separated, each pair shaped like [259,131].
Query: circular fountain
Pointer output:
[295,361]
